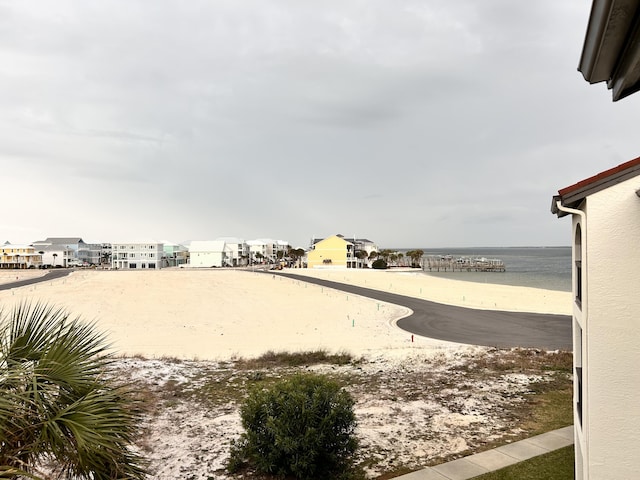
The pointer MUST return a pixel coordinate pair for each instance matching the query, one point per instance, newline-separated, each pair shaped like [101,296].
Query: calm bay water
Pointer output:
[538,267]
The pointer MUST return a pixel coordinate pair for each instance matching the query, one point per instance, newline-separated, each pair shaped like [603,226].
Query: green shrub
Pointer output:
[380,264]
[301,427]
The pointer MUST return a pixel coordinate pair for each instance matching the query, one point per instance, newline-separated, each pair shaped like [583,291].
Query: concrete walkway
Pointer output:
[480,463]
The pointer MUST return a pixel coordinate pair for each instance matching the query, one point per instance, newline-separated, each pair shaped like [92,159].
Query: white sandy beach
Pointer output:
[220,314]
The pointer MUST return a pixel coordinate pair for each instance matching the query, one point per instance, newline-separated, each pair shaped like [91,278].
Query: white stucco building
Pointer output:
[239,250]
[137,255]
[266,249]
[57,256]
[209,253]
[605,212]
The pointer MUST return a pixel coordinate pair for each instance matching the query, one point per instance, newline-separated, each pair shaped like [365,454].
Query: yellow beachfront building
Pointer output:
[19,256]
[332,252]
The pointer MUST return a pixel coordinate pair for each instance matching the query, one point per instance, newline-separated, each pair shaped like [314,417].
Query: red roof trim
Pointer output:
[599,177]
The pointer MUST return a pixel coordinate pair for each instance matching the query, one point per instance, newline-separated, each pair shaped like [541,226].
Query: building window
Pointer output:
[579,393]
[132,265]
[579,282]
[579,377]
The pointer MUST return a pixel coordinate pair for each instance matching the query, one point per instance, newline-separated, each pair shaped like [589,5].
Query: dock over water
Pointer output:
[448,263]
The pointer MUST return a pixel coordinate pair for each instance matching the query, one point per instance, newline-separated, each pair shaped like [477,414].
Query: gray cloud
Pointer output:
[418,124]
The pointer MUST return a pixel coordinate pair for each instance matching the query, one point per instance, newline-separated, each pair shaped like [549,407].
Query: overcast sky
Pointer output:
[414,123]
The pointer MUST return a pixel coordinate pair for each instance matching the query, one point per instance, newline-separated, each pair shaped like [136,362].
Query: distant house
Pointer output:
[363,248]
[605,211]
[174,254]
[260,250]
[57,256]
[331,252]
[19,256]
[339,252]
[266,249]
[239,251]
[137,255]
[209,253]
[81,253]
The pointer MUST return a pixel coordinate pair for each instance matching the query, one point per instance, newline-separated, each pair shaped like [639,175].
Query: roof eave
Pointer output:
[573,195]
[611,50]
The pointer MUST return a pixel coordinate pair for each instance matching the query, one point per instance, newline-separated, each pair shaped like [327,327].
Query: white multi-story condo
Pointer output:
[137,255]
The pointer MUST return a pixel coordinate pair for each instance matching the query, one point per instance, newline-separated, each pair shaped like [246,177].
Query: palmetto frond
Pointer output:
[57,401]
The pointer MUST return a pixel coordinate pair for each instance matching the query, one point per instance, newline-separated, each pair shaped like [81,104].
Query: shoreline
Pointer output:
[509,279]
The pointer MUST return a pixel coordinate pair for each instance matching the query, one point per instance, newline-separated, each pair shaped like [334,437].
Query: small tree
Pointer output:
[379,264]
[302,427]
[416,257]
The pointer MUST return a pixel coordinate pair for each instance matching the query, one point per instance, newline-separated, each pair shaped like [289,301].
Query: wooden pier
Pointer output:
[447,263]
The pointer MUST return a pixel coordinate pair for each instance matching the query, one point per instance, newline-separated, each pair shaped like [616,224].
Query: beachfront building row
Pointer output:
[148,254]
[64,252]
[71,252]
[51,253]
[221,252]
[235,252]
[336,251]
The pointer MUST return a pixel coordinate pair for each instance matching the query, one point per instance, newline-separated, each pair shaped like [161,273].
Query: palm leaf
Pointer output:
[58,401]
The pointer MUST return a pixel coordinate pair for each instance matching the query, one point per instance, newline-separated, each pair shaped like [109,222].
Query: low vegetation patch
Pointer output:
[303,426]
[272,359]
[431,407]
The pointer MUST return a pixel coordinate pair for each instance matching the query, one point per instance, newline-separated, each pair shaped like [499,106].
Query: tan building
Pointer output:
[19,256]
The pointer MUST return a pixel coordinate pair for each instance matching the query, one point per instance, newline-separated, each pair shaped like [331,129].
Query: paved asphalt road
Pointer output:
[465,325]
[51,275]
